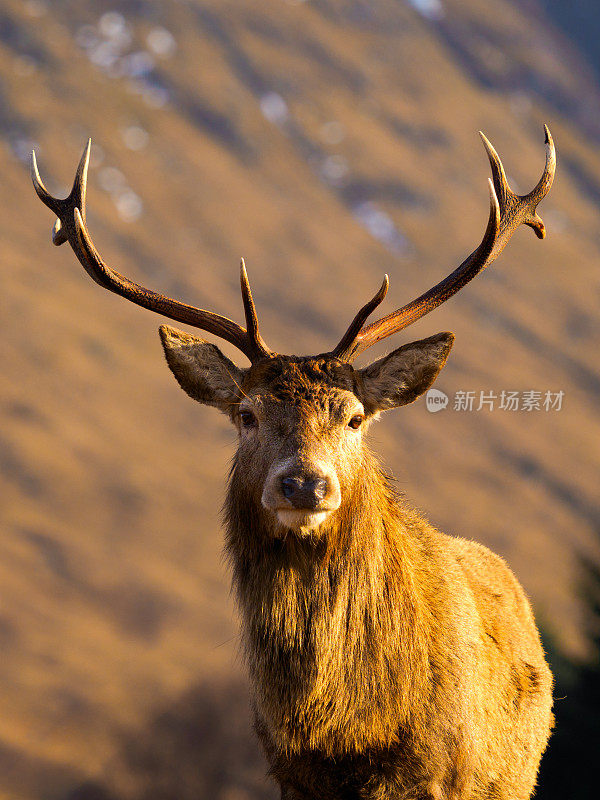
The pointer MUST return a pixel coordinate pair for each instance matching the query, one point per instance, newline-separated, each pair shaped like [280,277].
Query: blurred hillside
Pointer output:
[327,142]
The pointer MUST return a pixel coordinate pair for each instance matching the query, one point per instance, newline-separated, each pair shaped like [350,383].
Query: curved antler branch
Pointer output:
[507,211]
[516,209]
[344,348]
[71,227]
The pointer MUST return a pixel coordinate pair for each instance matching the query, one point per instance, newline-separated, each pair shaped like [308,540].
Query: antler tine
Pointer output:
[71,227]
[545,182]
[543,187]
[254,337]
[344,348]
[498,174]
[53,203]
[507,211]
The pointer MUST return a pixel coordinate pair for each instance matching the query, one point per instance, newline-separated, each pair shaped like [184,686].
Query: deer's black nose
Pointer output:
[304,492]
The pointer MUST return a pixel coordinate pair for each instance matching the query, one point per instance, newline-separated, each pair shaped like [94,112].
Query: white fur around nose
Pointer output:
[298,520]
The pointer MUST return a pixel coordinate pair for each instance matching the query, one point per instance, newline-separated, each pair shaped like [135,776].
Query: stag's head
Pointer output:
[301,420]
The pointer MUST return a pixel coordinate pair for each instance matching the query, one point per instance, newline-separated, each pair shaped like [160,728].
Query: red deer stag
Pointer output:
[387,659]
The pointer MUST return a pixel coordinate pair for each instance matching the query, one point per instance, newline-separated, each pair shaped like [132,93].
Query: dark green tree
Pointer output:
[571,767]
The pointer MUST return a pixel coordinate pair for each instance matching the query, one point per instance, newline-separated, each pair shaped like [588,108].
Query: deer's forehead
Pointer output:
[303,388]
[286,377]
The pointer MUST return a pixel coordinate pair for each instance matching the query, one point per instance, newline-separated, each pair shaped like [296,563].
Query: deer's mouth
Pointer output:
[299,519]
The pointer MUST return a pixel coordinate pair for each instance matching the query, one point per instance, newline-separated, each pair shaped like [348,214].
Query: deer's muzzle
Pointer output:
[301,496]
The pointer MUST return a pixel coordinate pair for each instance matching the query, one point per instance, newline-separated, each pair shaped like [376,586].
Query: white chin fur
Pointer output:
[298,519]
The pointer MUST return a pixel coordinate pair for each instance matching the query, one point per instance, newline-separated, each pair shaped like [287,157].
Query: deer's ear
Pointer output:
[201,369]
[400,377]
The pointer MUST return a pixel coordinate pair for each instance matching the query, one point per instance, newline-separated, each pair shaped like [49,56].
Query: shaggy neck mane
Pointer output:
[332,623]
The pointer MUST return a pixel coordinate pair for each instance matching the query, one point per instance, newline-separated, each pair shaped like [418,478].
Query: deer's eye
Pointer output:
[356,421]
[248,419]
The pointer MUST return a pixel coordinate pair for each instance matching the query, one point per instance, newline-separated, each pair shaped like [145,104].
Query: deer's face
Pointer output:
[300,426]
[301,421]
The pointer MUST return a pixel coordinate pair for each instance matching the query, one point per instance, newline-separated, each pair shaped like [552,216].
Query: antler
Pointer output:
[507,211]
[71,227]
